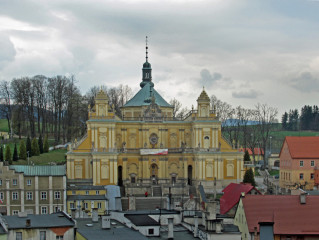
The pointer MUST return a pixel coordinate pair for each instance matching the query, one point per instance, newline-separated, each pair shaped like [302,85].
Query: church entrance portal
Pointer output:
[119,174]
[154,173]
[190,175]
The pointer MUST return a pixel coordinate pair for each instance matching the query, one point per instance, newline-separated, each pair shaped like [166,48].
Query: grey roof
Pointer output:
[151,212]
[45,170]
[141,220]
[85,187]
[86,197]
[39,221]
[118,231]
[143,94]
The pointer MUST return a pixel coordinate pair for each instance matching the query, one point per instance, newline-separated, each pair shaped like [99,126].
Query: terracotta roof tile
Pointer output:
[288,215]
[232,195]
[303,147]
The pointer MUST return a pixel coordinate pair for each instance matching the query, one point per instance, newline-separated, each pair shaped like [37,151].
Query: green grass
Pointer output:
[56,156]
[4,125]
[273,172]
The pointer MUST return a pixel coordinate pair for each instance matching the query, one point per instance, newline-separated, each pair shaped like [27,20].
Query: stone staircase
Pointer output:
[149,203]
[157,191]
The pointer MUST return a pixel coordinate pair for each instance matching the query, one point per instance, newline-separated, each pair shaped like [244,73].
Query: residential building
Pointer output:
[299,160]
[59,226]
[82,199]
[88,230]
[32,189]
[257,154]
[231,196]
[148,144]
[278,217]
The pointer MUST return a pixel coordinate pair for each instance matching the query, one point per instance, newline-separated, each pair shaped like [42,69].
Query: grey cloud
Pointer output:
[305,82]
[7,52]
[207,79]
[246,94]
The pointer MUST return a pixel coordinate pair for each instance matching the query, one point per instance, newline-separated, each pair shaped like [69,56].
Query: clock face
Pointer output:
[153,139]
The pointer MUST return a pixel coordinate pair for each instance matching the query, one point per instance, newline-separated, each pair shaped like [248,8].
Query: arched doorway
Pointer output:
[190,175]
[119,174]
[154,173]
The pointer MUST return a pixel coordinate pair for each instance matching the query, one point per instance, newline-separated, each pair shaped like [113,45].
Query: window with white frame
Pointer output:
[57,195]
[18,235]
[312,176]
[44,210]
[56,209]
[99,205]
[71,205]
[43,195]
[301,163]
[29,196]
[1,196]
[301,176]
[14,182]
[97,192]
[59,237]
[86,205]
[29,182]
[43,235]
[15,196]
[15,212]
[87,192]
[312,163]
[0,182]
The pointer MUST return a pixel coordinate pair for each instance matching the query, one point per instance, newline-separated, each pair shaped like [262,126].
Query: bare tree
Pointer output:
[5,103]
[177,105]
[266,116]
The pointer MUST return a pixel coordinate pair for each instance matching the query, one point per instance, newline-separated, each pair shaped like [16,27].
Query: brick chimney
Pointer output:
[28,222]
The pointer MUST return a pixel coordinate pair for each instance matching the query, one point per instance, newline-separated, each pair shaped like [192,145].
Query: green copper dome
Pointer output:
[147,65]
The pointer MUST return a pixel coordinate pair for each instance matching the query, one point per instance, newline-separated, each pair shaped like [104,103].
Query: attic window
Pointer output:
[151,231]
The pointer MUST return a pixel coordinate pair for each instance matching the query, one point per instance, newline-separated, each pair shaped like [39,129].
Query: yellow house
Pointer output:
[148,145]
[83,199]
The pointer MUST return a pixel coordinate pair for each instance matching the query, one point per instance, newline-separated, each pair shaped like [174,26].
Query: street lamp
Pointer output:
[270,144]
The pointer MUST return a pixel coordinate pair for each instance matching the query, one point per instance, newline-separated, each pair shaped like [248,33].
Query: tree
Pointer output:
[35,151]
[46,145]
[246,157]
[249,177]
[266,117]
[284,121]
[15,156]
[29,146]
[8,154]
[22,151]
[40,143]
[1,153]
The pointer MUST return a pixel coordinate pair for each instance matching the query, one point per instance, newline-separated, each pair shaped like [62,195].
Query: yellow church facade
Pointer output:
[148,145]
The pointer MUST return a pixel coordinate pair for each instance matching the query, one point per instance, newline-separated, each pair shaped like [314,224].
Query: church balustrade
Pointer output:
[101,117]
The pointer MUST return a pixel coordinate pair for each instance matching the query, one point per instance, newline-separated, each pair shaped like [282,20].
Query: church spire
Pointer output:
[147,68]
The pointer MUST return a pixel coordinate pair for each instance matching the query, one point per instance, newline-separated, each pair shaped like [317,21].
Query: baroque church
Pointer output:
[147,145]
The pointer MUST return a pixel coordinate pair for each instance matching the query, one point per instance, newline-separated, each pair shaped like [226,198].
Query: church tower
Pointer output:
[203,104]
[147,71]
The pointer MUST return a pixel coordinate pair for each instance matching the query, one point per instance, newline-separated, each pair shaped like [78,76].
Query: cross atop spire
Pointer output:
[146,41]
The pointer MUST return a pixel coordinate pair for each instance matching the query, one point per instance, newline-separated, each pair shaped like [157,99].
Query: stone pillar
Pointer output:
[170,228]
[131,203]
[196,226]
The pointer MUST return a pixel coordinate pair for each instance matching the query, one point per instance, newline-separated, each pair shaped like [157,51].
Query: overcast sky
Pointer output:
[244,52]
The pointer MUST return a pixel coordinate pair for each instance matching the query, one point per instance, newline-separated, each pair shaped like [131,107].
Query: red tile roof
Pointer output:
[288,215]
[257,151]
[303,147]
[232,195]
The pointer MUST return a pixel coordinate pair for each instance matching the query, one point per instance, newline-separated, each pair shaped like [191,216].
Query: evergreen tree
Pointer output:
[15,153]
[29,146]
[40,142]
[249,177]
[284,121]
[35,151]
[8,154]
[22,150]
[246,157]
[1,153]
[46,145]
